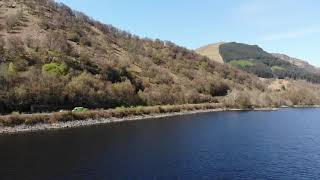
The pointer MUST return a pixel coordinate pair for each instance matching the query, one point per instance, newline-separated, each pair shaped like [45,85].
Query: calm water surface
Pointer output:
[223,145]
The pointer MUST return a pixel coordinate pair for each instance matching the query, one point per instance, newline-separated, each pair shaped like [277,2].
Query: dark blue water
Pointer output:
[225,145]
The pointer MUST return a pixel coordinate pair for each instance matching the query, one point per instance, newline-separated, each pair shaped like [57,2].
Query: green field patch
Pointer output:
[277,68]
[242,63]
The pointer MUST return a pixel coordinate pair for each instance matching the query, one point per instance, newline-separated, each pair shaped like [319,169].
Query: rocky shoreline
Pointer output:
[92,122]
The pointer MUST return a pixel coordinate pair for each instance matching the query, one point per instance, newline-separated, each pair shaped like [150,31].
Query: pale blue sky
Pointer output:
[284,26]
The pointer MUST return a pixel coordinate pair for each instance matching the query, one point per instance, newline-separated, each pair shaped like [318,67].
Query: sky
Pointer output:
[291,27]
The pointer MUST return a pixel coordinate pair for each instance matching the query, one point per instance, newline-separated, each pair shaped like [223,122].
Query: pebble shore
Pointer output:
[92,122]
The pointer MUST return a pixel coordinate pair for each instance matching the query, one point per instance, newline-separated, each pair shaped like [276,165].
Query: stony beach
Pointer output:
[91,122]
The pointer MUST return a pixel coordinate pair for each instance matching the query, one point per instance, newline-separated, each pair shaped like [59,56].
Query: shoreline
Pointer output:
[19,129]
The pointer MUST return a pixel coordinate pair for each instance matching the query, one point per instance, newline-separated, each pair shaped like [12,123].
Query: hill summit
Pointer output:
[212,51]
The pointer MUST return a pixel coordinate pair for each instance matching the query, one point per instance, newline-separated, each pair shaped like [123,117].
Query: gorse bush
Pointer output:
[55,69]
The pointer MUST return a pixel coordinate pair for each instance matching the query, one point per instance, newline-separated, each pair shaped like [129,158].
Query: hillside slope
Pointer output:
[212,51]
[298,62]
[253,59]
[52,58]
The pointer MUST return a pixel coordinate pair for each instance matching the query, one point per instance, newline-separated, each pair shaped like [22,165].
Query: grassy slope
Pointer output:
[277,68]
[212,51]
[242,63]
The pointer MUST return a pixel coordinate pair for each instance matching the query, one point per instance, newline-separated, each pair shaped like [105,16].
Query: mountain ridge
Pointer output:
[298,62]
[254,59]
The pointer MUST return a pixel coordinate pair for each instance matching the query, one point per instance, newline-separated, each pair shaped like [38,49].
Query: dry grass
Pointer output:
[280,84]
[32,119]
[212,51]
[16,119]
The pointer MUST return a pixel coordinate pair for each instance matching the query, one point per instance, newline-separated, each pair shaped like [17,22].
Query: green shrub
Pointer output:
[12,69]
[55,69]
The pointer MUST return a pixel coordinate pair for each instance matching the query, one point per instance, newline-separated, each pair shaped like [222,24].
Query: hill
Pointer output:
[212,51]
[298,62]
[253,59]
[52,57]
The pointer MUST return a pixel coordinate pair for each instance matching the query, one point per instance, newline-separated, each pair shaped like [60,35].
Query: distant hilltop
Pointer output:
[253,59]
[298,62]
[212,51]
